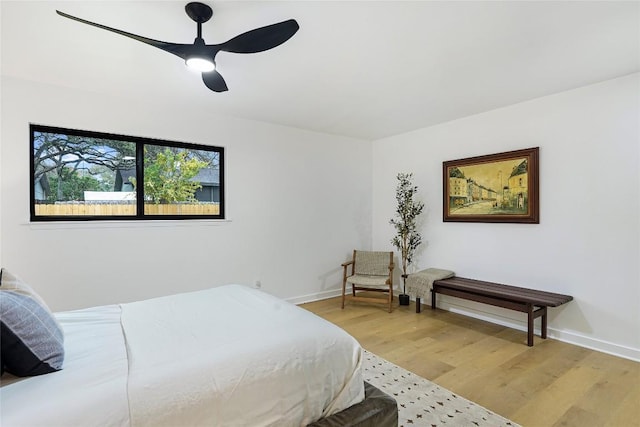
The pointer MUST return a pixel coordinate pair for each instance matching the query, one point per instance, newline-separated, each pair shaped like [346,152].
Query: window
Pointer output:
[82,175]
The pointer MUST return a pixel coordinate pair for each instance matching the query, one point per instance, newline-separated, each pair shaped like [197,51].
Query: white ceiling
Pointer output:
[366,69]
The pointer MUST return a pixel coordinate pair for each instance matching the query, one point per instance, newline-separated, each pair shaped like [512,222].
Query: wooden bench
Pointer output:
[530,301]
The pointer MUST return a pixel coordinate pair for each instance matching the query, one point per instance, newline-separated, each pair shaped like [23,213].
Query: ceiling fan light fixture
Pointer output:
[200,64]
[200,56]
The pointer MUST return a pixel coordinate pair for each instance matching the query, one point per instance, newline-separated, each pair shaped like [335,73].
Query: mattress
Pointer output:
[228,356]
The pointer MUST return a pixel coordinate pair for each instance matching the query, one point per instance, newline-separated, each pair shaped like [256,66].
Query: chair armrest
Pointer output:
[391,267]
[345,265]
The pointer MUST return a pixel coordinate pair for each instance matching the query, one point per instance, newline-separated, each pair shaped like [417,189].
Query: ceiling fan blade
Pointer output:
[177,49]
[261,39]
[214,81]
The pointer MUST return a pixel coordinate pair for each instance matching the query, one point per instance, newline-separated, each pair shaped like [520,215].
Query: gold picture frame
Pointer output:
[500,187]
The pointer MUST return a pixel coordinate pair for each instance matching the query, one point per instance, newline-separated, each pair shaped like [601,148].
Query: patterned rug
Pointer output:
[423,403]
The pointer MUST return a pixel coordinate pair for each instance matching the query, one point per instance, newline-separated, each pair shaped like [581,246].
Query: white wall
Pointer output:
[293,198]
[298,204]
[587,242]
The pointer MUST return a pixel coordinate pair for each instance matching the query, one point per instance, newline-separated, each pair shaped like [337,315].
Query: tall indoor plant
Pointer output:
[407,238]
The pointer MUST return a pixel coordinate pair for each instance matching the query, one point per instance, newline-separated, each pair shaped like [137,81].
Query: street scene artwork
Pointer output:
[499,187]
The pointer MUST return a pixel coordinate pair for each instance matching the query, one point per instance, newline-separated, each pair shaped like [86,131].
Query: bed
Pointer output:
[226,356]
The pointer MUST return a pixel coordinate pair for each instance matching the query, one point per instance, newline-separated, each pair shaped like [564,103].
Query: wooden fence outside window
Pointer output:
[119,209]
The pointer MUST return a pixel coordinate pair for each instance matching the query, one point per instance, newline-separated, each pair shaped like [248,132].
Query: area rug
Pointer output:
[423,403]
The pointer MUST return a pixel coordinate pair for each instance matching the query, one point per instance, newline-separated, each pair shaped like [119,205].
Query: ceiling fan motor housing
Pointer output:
[199,12]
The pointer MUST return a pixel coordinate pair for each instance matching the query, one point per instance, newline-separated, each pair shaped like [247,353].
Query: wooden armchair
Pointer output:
[370,271]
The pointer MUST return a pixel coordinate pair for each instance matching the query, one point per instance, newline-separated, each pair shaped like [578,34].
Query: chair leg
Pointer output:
[390,299]
[344,284]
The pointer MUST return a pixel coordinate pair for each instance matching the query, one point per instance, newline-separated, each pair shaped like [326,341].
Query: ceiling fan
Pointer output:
[201,56]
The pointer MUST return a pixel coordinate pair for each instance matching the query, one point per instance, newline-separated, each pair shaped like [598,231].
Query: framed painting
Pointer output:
[500,187]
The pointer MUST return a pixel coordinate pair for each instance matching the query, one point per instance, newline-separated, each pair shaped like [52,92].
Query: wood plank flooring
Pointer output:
[550,384]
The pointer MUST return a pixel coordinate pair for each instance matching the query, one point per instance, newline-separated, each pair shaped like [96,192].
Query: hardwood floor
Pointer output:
[550,384]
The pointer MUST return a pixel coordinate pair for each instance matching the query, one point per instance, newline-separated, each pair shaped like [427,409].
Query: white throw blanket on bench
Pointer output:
[419,284]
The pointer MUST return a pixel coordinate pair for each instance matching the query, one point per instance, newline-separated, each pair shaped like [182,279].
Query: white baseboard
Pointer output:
[558,334]
[495,317]
[596,344]
[317,296]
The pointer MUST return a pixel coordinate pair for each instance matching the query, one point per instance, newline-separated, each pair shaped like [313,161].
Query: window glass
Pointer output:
[81,175]
[181,181]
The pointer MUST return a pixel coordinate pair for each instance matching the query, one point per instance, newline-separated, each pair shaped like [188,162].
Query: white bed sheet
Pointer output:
[228,356]
[90,390]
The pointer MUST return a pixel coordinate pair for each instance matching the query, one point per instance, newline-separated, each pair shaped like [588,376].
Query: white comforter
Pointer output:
[228,356]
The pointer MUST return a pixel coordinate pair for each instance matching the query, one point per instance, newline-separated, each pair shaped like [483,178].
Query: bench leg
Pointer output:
[532,314]
[417,304]
[529,325]
[433,299]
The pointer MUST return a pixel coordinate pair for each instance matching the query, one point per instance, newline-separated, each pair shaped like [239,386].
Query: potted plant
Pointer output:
[407,238]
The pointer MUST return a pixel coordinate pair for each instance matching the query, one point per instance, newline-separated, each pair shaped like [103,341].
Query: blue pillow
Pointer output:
[31,340]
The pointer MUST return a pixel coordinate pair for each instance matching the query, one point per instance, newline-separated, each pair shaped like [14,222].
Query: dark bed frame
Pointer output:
[378,409]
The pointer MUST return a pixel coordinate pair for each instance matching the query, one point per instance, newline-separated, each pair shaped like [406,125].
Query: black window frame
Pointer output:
[140,200]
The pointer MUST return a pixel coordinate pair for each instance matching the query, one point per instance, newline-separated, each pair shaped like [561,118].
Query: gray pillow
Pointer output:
[31,340]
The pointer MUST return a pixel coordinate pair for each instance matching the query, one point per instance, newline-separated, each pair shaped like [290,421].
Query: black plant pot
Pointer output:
[404,299]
